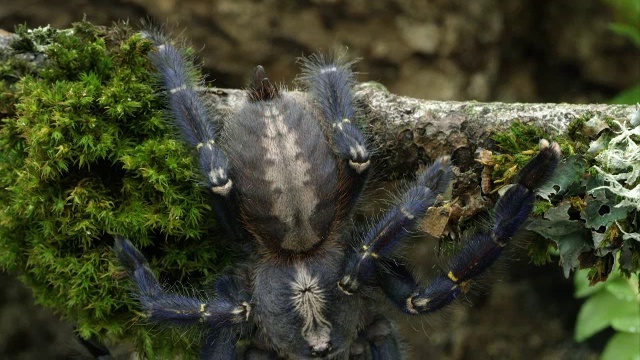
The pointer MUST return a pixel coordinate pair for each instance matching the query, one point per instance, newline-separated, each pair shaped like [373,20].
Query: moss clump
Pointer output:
[540,250]
[85,154]
[575,127]
[541,206]
[518,144]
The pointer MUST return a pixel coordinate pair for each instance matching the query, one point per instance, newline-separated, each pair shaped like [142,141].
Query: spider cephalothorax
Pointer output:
[285,177]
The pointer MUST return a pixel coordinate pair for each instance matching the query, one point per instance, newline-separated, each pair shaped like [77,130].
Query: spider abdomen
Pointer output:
[285,172]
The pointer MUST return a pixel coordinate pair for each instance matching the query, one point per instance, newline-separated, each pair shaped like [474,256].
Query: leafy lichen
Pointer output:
[593,201]
[588,210]
[619,165]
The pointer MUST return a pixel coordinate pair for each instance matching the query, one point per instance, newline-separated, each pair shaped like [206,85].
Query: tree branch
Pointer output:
[407,131]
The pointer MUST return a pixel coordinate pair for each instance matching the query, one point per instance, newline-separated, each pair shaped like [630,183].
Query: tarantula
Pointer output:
[285,177]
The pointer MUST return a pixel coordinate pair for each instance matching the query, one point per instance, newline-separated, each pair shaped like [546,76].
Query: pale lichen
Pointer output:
[619,165]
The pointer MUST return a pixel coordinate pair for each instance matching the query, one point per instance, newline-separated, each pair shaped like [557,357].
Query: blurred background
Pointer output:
[484,50]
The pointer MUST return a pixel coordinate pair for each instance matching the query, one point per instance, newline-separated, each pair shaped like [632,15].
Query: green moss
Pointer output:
[518,144]
[575,130]
[519,137]
[541,206]
[85,154]
[539,251]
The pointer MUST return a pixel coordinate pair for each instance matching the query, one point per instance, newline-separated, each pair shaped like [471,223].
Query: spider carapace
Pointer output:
[285,174]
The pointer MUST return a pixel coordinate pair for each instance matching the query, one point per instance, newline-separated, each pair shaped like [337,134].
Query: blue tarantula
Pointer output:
[285,177]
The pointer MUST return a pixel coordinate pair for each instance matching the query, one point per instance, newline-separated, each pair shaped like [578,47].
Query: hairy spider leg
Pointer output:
[378,340]
[330,84]
[253,353]
[510,213]
[395,225]
[226,312]
[179,79]
[220,344]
